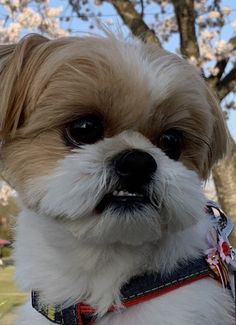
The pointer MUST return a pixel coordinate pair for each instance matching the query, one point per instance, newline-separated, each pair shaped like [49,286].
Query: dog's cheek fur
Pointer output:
[30,158]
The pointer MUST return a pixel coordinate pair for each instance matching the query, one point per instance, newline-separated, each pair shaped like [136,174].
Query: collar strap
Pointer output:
[138,289]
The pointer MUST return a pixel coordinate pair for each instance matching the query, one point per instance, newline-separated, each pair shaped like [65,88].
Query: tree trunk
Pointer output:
[224,175]
[185,15]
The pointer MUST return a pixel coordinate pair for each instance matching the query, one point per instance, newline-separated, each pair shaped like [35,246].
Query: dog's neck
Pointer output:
[50,259]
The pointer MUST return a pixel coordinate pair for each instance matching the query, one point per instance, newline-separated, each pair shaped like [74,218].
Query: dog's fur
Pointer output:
[66,249]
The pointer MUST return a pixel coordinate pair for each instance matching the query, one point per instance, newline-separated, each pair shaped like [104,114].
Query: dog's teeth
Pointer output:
[125,193]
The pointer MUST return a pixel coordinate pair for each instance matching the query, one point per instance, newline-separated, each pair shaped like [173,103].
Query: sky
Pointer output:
[108,12]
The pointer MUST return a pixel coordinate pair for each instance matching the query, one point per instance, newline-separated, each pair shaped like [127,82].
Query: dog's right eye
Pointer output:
[84,130]
[171,142]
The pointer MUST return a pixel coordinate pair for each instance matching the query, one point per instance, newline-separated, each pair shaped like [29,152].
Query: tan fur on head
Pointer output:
[45,83]
[16,77]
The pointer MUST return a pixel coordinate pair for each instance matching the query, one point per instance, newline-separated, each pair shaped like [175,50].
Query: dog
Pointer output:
[107,142]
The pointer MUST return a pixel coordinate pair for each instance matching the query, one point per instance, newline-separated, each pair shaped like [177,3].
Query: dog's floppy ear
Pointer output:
[219,142]
[14,82]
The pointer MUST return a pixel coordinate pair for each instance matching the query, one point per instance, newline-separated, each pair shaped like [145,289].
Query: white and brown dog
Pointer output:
[106,142]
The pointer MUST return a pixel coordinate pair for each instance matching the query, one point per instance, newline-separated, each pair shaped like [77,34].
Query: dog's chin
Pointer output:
[129,218]
[129,221]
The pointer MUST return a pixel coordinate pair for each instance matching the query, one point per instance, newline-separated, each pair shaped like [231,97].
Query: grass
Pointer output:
[10,295]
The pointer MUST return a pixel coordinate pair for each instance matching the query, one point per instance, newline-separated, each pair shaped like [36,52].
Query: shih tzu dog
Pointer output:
[107,142]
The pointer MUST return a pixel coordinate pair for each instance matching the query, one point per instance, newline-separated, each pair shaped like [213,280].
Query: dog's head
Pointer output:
[110,137]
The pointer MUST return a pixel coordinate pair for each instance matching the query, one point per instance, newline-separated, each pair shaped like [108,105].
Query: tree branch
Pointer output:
[184,11]
[221,65]
[227,84]
[134,21]
[142,8]
[75,4]
[232,41]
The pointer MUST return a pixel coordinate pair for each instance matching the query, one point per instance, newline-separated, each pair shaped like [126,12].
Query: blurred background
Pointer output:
[202,31]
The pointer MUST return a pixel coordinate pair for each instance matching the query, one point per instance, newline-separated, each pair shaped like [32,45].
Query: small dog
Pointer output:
[107,141]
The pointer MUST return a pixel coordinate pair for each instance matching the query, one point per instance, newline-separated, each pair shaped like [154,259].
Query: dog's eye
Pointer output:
[171,142]
[85,130]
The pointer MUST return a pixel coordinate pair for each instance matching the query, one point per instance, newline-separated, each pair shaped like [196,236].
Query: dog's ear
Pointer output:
[14,82]
[219,142]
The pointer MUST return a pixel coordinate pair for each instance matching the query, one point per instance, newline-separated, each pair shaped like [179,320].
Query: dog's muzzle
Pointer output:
[134,170]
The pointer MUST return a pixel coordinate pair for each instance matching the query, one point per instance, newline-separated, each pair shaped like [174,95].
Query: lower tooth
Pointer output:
[124,193]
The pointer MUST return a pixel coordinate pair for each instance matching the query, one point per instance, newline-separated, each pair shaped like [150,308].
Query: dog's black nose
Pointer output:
[134,167]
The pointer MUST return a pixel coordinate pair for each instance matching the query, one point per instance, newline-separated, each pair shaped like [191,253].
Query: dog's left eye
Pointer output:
[171,142]
[85,130]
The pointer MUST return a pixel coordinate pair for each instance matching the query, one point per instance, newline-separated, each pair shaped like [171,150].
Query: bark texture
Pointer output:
[184,12]
[227,84]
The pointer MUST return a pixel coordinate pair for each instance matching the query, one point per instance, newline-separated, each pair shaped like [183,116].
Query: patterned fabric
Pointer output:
[220,255]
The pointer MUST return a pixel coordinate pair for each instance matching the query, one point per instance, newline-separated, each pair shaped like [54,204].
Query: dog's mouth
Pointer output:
[123,199]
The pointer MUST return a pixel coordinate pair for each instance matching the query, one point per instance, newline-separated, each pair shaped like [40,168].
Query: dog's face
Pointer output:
[109,138]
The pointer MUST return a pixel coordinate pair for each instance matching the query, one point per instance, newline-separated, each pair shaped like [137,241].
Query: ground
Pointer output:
[10,296]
